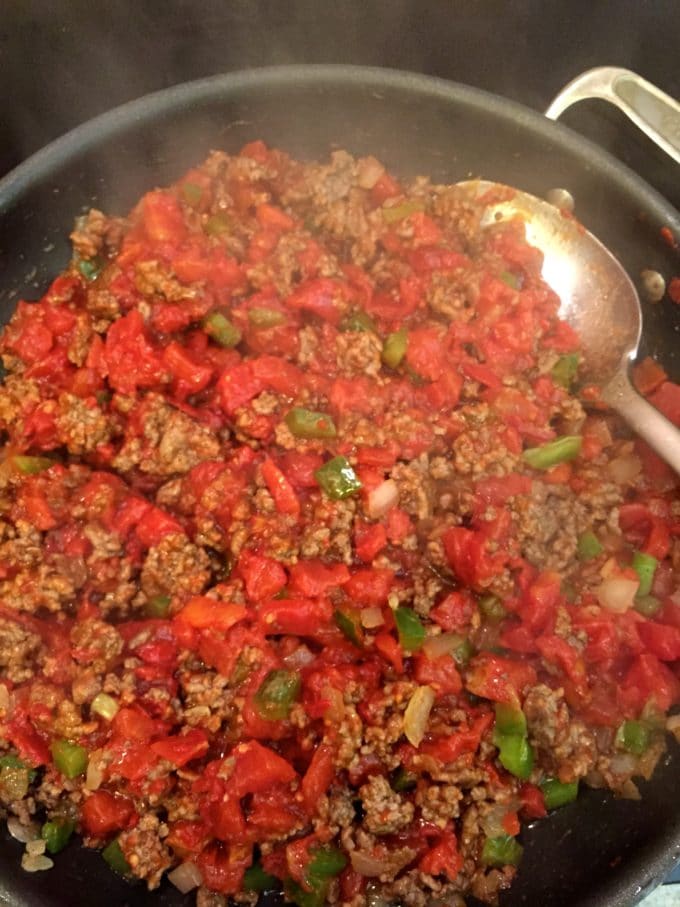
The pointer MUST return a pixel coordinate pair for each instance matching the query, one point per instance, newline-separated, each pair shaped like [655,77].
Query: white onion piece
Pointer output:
[417,714]
[617,593]
[35,863]
[186,877]
[369,171]
[300,658]
[442,644]
[624,469]
[20,832]
[95,774]
[374,867]
[673,726]
[35,847]
[371,617]
[382,499]
[623,764]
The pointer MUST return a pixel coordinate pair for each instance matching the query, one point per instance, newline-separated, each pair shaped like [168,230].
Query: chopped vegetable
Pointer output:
[57,832]
[90,268]
[410,628]
[510,720]
[105,706]
[645,566]
[217,224]
[31,465]
[358,320]
[588,546]
[551,454]
[512,280]
[557,794]
[192,193]
[502,851]
[647,605]
[114,856]
[305,423]
[277,693]
[392,214]
[565,370]
[417,714]
[403,780]
[261,317]
[327,862]
[350,625]
[394,347]
[256,879]
[158,606]
[338,479]
[492,608]
[221,329]
[69,758]
[634,736]
[515,754]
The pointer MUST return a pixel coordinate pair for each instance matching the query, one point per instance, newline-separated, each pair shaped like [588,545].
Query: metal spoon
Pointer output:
[598,300]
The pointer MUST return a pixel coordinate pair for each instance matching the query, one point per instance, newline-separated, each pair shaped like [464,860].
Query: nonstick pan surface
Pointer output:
[599,850]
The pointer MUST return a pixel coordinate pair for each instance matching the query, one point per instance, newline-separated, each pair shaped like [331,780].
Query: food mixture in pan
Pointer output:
[321,566]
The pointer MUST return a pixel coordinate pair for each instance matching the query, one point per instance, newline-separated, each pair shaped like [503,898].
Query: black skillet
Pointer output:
[598,852]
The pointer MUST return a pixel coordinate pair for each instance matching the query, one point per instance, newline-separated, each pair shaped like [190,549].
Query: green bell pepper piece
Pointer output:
[217,224]
[647,605]
[563,449]
[502,851]
[56,833]
[338,479]
[256,879]
[305,423]
[326,863]
[192,193]
[492,608]
[588,546]
[277,693]
[634,736]
[565,369]
[394,347]
[69,758]
[158,606]
[90,268]
[358,320]
[392,214]
[410,629]
[262,318]
[350,626]
[512,280]
[645,566]
[557,794]
[30,466]
[218,327]
[515,754]
[403,780]
[114,856]
[510,720]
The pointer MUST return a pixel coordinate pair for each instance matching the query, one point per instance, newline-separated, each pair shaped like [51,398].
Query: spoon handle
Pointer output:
[644,419]
[652,110]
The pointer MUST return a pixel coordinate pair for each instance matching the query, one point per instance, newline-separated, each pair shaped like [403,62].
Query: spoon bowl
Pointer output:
[597,298]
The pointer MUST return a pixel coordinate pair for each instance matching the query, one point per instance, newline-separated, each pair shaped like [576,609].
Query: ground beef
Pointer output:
[19,649]
[175,566]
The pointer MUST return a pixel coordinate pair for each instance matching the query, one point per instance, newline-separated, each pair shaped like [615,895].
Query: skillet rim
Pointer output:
[629,883]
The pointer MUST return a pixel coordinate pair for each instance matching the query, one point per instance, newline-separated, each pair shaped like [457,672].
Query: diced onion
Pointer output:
[617,593]
[21,832]
[186,877]
[374,867]
[625,468]
[492,822]
[105,706]
[623,764]
[629,790]
[95,774]
[382,498]
[371,617]
[299,658]
[369,171]
[35,863]
[35,847]
[443,644]
[673,726]
[417,714]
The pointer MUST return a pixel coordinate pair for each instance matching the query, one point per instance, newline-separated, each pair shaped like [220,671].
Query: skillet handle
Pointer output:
[658,431]
[653,111]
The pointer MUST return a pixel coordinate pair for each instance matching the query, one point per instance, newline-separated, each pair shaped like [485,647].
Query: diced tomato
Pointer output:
[281,490]
[439,673]
[385,187]
[498,678]
[454,612]
[133,724]
[320,296]
[312,578]
[299,468]
[661,640]
[182,748]
[648,375]
[226,820]
[187,837]
[537,608]
[256,768]
[370,586]
[237,386]
[263,576]
[103,813]
[649,678]
[203,613]
[369,540]
[154,525]
[390,649]
[162,217]
[222,868]
[443,858]
[465,740]
[533,802]
[29,744]
[318,777]
[131,360]
[298,616]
